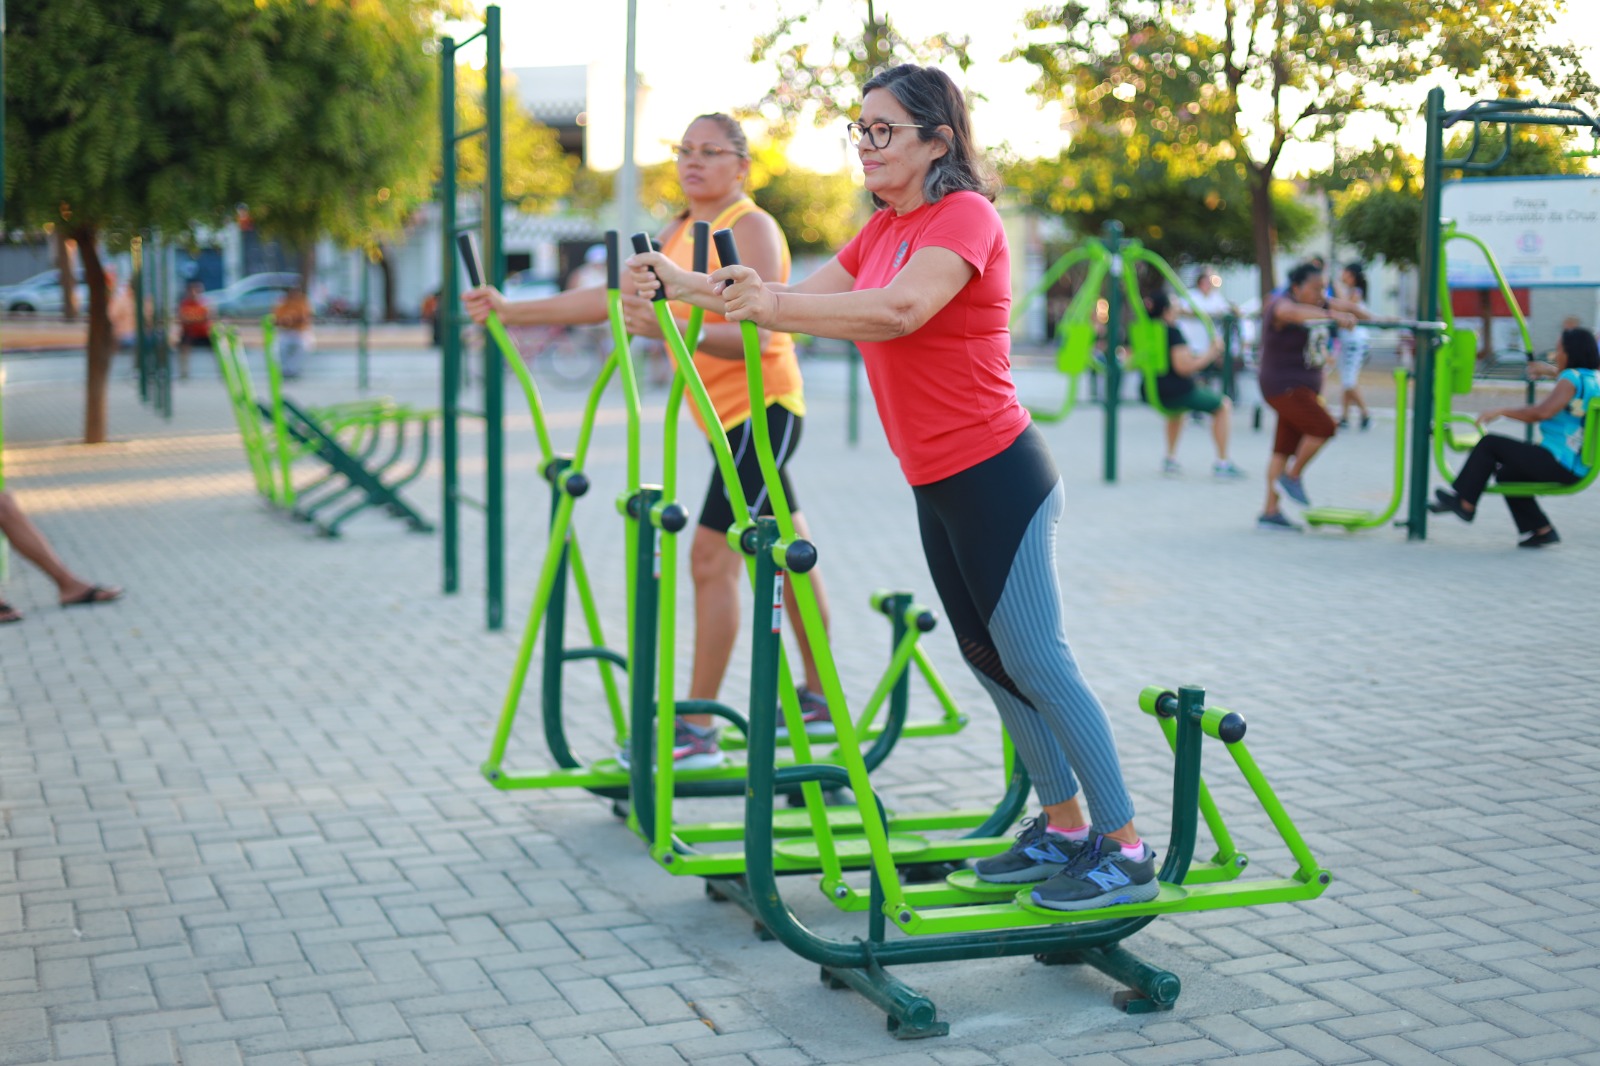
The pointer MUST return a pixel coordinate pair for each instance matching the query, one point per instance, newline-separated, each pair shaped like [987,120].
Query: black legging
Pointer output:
[1511,460]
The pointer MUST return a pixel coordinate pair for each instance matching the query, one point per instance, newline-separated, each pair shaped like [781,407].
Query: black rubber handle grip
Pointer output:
[702,247]
[469,255]
[641,244]
[727,250]
[613,261]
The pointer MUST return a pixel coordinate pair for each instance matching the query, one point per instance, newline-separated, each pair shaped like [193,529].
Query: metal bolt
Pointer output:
[905,916]
[841,892]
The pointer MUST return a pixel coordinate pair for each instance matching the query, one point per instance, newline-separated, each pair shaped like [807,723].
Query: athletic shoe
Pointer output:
[1277,523]
[1038,853]
[1171,467]
[1366,422]
[813,712]
[693,748]
[1540,540]
[1224,470]
[1292,488]
[1344,423]
[1101,876]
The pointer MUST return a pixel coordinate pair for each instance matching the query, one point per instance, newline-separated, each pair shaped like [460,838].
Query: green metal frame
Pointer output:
[492,223]
[1507,113]
[655,517]
[1110,256]
[958,919]
[1360,518]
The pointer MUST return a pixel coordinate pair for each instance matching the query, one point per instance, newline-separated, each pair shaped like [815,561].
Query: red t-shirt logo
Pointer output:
[899,255]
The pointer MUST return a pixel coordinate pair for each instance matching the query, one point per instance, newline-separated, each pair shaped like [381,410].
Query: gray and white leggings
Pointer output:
[989,534]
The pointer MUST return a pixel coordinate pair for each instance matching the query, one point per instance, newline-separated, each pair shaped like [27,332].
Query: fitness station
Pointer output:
[768,597]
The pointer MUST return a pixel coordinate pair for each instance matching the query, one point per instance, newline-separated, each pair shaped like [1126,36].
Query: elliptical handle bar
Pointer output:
[469,256]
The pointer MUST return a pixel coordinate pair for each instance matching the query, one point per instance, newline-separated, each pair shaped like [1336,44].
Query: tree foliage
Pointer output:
[1234,82]
[124,115]
[831,83]
[537,173]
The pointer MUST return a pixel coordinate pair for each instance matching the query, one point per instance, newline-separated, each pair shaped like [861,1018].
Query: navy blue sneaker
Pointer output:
[1038,853]
[1292,488]
[1100,876]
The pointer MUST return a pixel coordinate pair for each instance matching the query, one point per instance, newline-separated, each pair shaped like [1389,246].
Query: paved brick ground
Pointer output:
[242,821]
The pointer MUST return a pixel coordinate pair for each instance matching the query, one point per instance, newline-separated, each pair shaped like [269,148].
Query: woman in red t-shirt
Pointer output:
[924,290]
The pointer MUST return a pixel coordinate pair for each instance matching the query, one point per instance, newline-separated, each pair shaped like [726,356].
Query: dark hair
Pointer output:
[1302,273]
[1358,272]
[933,100]
[1157,303]
[1582,352]
[731,128]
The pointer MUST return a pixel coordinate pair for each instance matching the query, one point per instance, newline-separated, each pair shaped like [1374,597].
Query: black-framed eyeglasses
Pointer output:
[709,152]
[877,134]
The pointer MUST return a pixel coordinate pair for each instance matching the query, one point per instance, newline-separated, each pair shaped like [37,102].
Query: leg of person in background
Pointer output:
[1221,430]
[183,358]
[32,546]
[1174,428]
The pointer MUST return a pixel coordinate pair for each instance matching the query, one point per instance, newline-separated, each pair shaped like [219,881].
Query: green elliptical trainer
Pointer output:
[961,919]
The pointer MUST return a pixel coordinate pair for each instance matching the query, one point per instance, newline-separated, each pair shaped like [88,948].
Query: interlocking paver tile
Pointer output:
[248,826]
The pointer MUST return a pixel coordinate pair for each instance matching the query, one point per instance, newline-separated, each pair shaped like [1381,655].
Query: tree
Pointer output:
[833,86]
[126,115]
[1183,208]
[1236,81]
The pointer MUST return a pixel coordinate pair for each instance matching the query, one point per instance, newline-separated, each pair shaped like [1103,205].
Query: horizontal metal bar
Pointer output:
[468,40]
[471,501]
[469,134]
[470,412]
[468,227]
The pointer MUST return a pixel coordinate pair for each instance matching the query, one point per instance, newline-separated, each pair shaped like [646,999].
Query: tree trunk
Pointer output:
[308,267]
[1264,227]
[68,276]
[102,340]
[389,314]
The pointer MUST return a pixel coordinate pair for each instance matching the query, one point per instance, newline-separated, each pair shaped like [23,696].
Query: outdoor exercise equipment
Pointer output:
[365,447]
[649,782]
[961,918]
[492,222]
[1117,258]
[1431,304]
[1458,355]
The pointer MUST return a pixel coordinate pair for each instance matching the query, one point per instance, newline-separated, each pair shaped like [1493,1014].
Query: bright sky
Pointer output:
[694,57]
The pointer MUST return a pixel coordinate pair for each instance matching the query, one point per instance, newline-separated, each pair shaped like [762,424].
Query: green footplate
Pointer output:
[1170,897]
[854,850]
[798,820]
[1339,516]
[967,881]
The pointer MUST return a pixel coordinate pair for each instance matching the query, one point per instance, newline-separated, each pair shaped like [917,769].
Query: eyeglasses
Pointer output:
[878,133]
[709,152]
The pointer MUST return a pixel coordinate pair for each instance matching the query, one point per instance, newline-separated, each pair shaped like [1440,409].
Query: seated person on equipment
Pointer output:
[1177,390]
[1560,417]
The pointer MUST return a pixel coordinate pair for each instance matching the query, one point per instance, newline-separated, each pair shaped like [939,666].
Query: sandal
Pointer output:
[94,594]
[9,613]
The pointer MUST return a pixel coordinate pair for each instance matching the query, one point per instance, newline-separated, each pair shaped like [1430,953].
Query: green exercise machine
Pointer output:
[644,786]
[959,918]
[1117,258]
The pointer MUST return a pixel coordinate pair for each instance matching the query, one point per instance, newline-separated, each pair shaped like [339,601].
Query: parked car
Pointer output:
[42,294]
[251,296]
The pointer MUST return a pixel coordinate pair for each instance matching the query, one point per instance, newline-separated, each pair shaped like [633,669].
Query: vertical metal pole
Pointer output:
[1113,241]
[628,176]
[163,258]
[362,376]
[1428,310]
[494,370]
[141,328]
[449,329]
[853,415]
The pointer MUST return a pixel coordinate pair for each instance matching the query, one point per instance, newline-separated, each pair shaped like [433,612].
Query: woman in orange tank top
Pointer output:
[713,162]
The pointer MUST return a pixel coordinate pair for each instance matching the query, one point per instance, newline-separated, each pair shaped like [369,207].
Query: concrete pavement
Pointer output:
[242,821]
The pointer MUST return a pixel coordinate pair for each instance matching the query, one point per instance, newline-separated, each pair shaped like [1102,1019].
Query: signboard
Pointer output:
[1543,231]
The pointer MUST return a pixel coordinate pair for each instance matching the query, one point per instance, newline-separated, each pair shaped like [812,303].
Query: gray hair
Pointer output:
[933,100]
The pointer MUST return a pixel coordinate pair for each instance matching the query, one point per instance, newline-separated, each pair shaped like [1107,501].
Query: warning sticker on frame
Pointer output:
[777,602]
